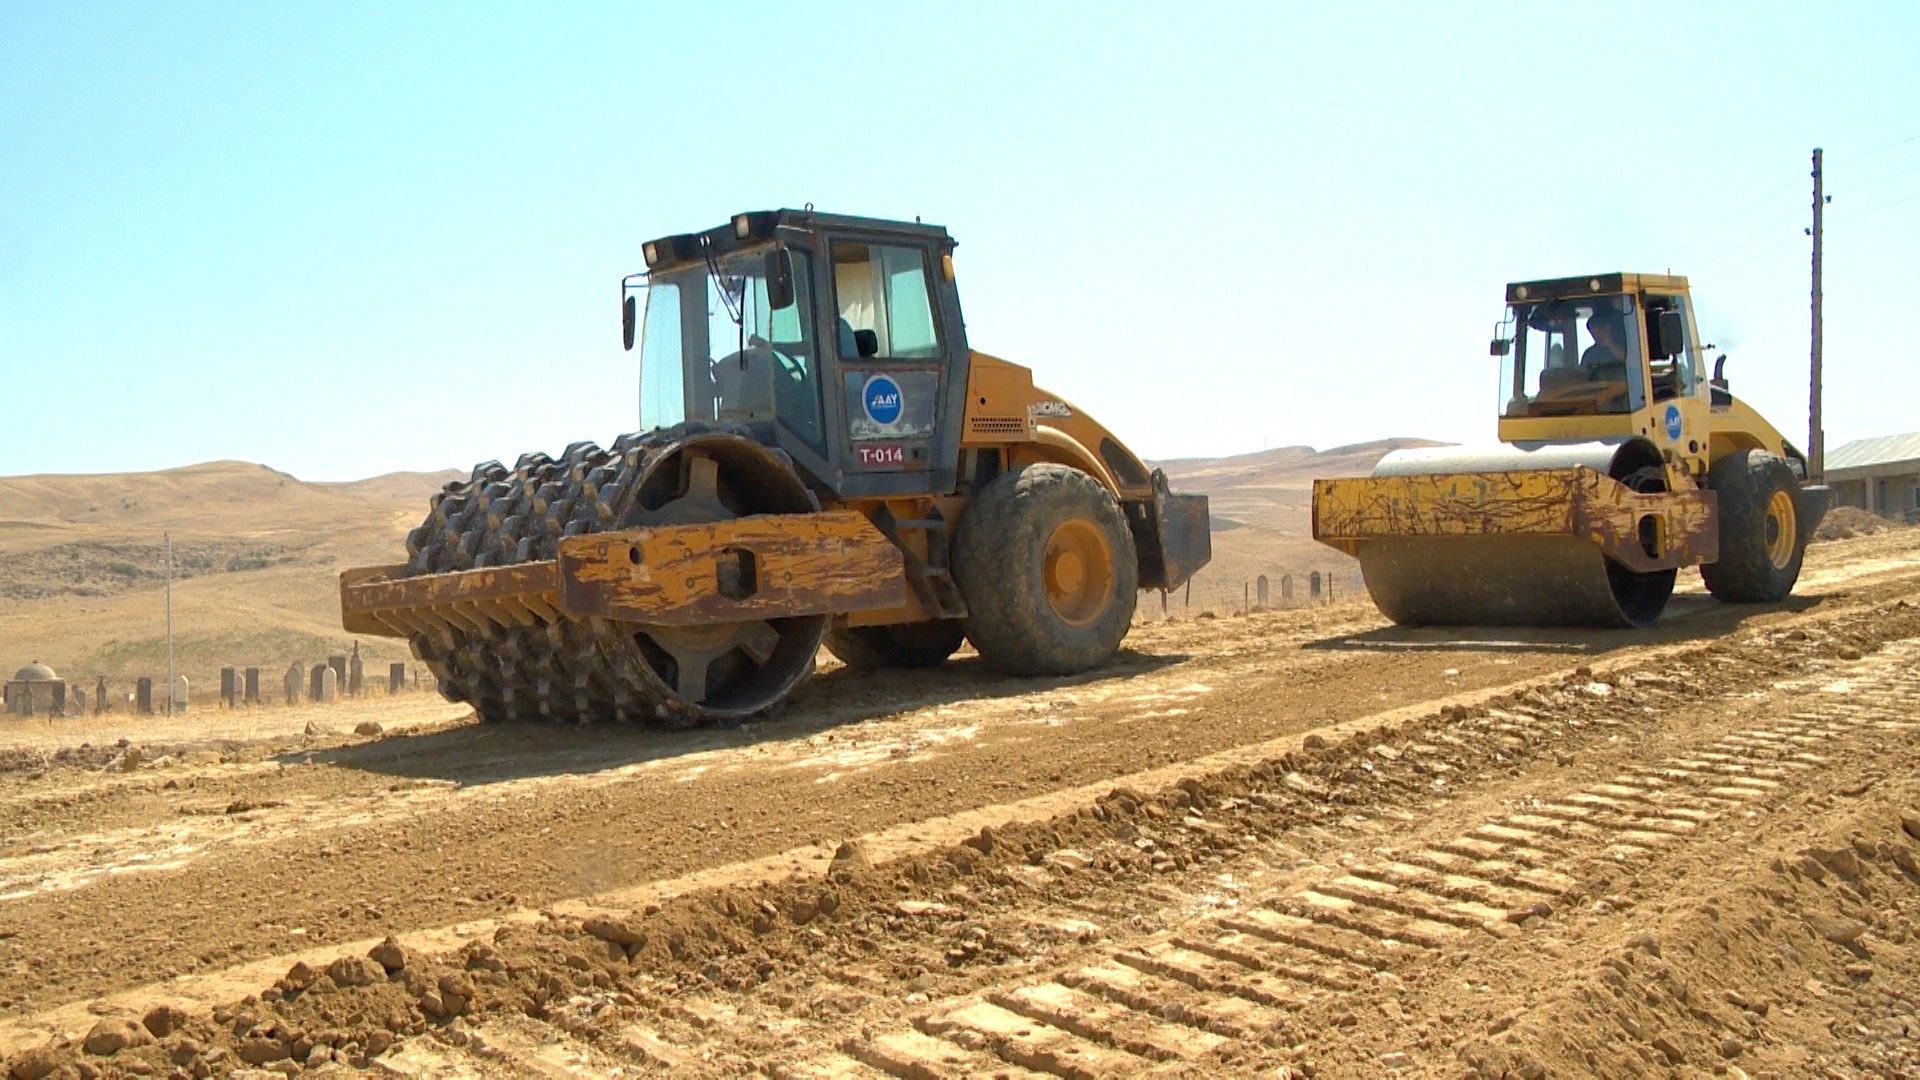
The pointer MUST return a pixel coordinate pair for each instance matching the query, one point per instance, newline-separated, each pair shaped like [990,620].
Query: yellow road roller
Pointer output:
[822,458]
[1619,462]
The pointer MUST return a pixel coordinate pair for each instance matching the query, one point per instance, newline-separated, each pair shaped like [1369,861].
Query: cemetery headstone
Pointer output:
[339,666]
[179,693]
[356,674]
[253,686]
[396,678]
[143,696]
[1260,590]
[1313,585]
[294,677]
[230,687]
[329,686]
[1286,587]
[313,683]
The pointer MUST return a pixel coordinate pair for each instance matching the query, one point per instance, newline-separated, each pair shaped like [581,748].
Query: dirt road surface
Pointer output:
[1290,844]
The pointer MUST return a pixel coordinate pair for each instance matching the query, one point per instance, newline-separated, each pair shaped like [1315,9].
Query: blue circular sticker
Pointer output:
[882,398]
[1673,422]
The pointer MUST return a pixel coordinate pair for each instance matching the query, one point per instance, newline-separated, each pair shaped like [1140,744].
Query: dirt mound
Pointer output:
[1846,522]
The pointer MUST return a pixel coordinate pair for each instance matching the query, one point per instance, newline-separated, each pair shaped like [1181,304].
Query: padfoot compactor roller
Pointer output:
[822,458]
[1620,463]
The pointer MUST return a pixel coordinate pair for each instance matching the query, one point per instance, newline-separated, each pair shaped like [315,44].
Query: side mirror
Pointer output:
[1499,346]
[629,316]
[779,279]
[1670,335]
[1720,371]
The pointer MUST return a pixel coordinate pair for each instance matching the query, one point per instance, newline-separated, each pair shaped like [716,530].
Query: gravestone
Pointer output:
[396,678]
[179,697]
[1286,588]
[59,699]
[1313,585]
[143,696]
[230,686]
[100,696]
[313,682]
[294,677]
[253,686]
[1260,590]
[339,666]
[79,702]
[329,686]
[356,674]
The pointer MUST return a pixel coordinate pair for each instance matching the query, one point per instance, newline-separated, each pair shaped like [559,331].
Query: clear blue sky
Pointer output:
[347,238]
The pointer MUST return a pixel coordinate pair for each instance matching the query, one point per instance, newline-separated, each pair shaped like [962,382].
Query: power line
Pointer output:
[1870,183]
[1882,206]
[1882,150]
[1764,201]
[1751,237]
[1745,261]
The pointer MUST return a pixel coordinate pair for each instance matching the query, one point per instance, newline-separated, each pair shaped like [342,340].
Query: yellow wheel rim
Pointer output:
[1078,572]
[1782,529]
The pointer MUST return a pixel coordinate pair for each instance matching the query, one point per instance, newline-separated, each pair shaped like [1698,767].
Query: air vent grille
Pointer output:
[997,425]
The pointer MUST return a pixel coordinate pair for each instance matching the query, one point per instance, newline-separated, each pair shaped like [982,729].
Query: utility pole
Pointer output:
[169,539]
[1816,433]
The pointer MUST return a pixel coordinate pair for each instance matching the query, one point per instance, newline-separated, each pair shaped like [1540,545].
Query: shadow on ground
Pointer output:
[1688,617]
[475,753]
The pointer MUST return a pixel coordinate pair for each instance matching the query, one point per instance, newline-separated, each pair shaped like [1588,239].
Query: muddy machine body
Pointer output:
[1620,462]
[823,458]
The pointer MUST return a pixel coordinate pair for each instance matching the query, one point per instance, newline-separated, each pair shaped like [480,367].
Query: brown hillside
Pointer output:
[1262,507]
[257,553]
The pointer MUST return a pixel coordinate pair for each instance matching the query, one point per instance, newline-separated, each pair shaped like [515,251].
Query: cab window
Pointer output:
[1573,357]
[1672,377]
[885,309]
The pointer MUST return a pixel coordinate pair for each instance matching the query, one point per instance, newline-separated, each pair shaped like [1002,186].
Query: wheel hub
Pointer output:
[695,648]
[1078,572]
[1782,529]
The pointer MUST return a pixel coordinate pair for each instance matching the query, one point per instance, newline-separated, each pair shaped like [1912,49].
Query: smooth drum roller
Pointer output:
[1499,536]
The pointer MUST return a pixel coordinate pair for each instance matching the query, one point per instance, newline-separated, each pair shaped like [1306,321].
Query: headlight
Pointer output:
[742,226]
[651,251]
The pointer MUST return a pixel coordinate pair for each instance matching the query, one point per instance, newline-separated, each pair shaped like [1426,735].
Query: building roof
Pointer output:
[1882,450]
[34,672]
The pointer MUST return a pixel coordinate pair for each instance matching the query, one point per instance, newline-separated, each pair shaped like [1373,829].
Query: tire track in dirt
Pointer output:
[1211,927]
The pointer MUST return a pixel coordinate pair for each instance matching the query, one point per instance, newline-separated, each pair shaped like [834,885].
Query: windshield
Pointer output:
[1577,357]
[761,363]
[711,335]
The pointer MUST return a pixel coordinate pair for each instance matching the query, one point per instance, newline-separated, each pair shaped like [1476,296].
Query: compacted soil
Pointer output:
[1297,843]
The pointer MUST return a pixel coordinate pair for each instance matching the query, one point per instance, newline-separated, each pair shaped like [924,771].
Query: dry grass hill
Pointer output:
[1262,508]
[256,552]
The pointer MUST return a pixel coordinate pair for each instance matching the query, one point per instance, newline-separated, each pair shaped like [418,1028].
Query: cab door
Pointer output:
[1678,394]
[895,332]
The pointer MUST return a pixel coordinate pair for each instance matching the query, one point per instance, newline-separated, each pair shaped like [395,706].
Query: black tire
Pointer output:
[903,645]
[1001,563]
[1761,543]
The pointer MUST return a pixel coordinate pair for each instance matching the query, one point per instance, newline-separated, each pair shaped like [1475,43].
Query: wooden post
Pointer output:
[1816,433]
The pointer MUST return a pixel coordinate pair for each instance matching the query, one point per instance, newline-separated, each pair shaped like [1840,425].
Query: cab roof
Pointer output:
[756,227]
[1612,284]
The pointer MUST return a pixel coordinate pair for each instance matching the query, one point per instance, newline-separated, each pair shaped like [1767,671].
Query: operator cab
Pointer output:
[1594,346]
[836,339]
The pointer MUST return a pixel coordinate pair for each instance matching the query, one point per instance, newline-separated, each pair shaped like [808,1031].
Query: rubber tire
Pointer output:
[999,553]
[902,645]
[1746,481]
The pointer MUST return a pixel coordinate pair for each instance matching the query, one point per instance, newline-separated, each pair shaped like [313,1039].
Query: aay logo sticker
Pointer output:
[884,403]
[1673,422]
